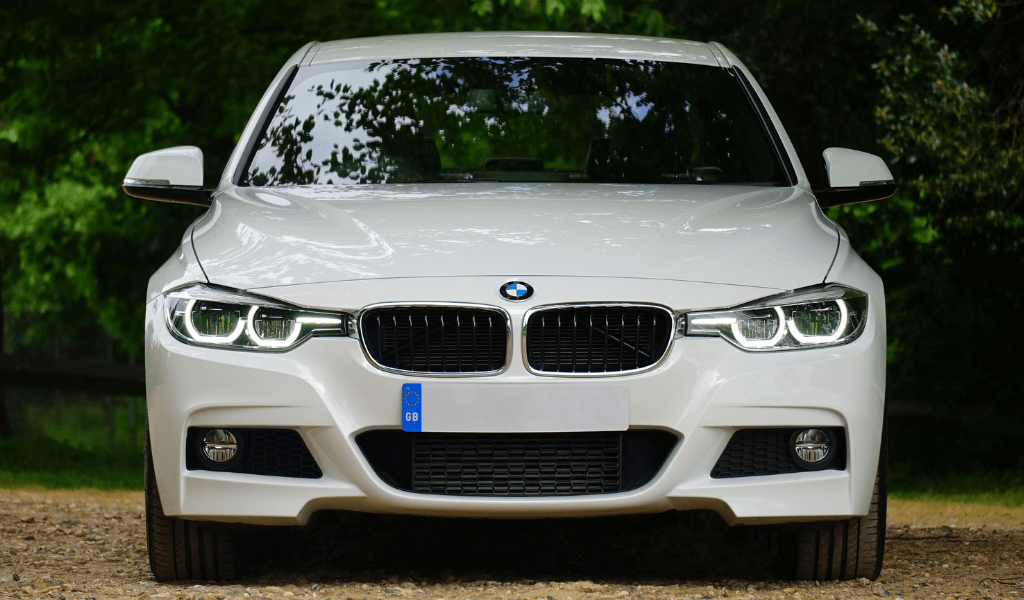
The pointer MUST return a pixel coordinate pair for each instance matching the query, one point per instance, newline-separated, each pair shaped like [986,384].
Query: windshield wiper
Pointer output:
[750,183]
[456,181]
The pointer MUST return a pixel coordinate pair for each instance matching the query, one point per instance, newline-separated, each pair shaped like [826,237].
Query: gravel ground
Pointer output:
[89,545]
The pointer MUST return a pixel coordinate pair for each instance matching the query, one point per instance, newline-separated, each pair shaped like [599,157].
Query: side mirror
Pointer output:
[854,177]
[169,175]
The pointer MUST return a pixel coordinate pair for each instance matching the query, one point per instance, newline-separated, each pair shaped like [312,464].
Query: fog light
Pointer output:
[220,446]
[812,448]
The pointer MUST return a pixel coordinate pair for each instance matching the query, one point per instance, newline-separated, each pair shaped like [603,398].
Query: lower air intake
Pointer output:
[752,452]
[272,452]
[517,465]
[512,465]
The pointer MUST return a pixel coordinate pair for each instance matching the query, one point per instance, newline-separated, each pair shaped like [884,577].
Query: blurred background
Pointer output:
[934,87]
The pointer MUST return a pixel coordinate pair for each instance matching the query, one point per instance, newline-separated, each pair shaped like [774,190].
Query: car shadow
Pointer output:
[631,550]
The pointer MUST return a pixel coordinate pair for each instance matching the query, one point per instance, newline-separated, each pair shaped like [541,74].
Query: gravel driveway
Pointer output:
[85,545]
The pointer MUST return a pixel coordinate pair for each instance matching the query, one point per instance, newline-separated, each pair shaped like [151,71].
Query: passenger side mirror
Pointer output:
[169,175]
[854,177]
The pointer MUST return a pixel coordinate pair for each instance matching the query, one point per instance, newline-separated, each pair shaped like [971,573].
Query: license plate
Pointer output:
[515,408]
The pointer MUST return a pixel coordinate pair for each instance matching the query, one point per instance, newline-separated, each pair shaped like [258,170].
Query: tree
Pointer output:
[84,89]
[949,245]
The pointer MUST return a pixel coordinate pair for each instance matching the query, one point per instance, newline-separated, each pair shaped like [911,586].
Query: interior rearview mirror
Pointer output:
[169,175]
[854,177]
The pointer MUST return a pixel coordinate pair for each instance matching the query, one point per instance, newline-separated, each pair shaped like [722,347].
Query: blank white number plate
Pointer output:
[515,408]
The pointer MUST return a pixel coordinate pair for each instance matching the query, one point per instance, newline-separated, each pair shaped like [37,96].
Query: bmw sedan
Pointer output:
[514,275]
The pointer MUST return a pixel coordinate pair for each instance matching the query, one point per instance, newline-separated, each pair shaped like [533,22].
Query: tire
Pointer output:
[841,550]
[183,549]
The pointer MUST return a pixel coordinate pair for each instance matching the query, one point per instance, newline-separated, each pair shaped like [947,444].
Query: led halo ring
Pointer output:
[775,339]
[844,317]
[250,330]
[210,339]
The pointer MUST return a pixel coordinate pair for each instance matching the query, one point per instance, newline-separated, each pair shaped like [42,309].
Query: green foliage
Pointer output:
[84,89]
[949,245]
[81,420]
[592,9]
[940,132]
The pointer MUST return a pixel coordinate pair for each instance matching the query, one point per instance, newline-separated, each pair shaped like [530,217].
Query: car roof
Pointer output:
[506,43]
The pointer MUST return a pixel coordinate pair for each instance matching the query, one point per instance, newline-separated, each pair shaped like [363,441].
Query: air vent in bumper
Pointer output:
[273,452]
[585,339]
[516,465]
[436,339]
[752,452]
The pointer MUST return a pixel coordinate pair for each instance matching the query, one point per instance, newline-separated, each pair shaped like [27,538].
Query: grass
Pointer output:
[73,441]
[991,489]
[44,463]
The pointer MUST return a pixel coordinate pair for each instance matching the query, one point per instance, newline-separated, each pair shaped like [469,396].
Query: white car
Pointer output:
[515,275]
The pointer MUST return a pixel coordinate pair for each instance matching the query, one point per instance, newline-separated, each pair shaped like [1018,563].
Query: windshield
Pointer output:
[513,119]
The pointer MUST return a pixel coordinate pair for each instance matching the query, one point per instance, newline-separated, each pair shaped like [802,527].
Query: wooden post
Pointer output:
[57,394]
[133,412]
[133,418]
[5,422]
[111,403]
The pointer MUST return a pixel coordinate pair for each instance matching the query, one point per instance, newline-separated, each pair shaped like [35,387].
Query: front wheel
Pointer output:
[847,549]
[184,549]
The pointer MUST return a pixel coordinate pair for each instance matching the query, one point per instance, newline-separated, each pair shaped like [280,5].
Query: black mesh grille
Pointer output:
[766,452]
[274,452]
[519,464]
[597,339]
[429,339]
[516,465]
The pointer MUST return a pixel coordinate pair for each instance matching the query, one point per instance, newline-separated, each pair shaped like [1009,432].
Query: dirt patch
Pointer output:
[87,545]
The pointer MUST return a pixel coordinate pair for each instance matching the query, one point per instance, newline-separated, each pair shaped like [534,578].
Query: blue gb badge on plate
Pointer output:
[412,404]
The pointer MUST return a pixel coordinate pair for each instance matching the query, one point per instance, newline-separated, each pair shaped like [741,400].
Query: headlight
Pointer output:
[817,317]
[211,316]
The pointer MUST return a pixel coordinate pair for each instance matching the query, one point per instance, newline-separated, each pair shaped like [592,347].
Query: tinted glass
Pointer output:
[513,119]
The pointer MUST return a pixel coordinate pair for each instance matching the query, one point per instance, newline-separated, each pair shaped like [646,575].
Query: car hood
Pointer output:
[753,236]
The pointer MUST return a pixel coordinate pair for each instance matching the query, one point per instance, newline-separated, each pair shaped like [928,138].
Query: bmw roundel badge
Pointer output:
[516,291]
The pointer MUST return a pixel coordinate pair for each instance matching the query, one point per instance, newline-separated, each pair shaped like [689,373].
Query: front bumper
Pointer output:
[703,391]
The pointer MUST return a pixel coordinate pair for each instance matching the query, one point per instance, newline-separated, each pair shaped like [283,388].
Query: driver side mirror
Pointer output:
[169,175]
[854,177]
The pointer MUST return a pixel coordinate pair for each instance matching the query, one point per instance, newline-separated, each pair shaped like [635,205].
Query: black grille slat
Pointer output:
[558,349]
[621,340]
[434,339]
[444,363]
[516,464]
[458,340]
[590,342]
[631,338]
